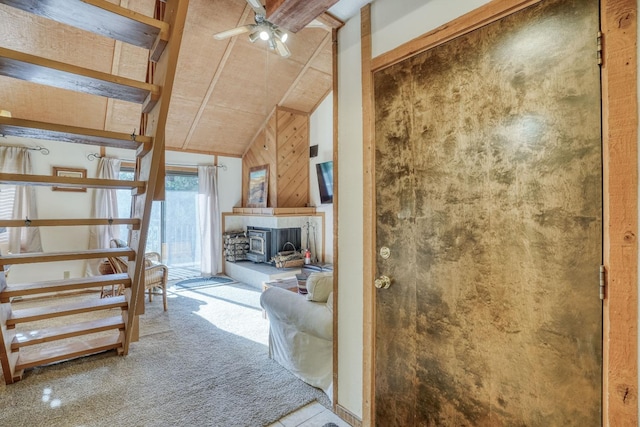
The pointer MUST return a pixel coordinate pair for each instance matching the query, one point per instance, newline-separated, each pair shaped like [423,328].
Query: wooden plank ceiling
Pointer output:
[223,93]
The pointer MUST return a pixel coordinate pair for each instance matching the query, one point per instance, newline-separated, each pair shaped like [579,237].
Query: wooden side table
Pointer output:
[290,284]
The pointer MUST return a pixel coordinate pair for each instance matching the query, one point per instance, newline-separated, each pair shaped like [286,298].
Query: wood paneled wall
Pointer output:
[284,146]
[293,159]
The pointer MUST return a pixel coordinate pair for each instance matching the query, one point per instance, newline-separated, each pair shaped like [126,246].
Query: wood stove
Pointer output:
[265,243]
[259,242]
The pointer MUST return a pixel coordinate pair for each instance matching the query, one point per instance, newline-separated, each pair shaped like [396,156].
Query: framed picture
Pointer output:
[258,186]
[69,173]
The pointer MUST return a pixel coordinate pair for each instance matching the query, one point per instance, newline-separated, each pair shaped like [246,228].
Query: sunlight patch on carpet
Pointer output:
[224,305]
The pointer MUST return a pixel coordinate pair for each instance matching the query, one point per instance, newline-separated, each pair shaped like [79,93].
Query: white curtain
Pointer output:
[105,205]
[17,160]
[209,220]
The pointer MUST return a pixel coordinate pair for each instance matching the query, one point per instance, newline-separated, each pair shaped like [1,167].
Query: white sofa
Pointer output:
[301,330]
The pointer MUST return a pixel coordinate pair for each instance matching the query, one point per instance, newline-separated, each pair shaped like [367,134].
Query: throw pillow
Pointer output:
[319,286]
[330,302]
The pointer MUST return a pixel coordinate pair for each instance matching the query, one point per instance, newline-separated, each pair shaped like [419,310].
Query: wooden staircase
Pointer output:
[162,37]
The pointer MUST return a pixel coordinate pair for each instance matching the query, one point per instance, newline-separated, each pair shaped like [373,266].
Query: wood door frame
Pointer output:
[620,192]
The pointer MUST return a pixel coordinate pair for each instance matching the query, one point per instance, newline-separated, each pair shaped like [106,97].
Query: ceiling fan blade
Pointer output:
[257,7]
[282,48]
[233,32]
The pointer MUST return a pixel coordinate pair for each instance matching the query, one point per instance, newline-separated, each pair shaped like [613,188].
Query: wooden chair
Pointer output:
[155,275]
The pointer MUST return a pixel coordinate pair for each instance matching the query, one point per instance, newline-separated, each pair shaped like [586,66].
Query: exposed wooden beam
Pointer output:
[294,15]
[330,21]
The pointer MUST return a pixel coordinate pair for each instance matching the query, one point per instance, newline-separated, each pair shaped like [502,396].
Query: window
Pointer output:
[7,196]
[173,225]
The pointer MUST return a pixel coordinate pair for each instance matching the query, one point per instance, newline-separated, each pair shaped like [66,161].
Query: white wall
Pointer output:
[230,183]
[55,205]
[350,199]
[60,204]
[321,134]
[393,23]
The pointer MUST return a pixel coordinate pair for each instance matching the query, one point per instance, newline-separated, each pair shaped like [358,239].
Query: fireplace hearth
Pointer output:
[265,243]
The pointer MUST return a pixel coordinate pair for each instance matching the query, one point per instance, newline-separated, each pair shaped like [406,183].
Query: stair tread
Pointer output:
[33,257]
[134,222]
[98,16]
[56,132]
[39,313]
[61,181]
[66,331]
[22,289]
[155,99]
[65,76]
[67,351]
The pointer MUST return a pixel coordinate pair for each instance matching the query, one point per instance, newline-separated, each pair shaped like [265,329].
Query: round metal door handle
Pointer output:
[382,282]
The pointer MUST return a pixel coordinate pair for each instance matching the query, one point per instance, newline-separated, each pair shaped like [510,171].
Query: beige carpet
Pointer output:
[203,363]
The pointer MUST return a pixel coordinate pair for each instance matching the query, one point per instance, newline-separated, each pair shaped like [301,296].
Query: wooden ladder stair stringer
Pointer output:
[8,359]
[150,166]
[162,37]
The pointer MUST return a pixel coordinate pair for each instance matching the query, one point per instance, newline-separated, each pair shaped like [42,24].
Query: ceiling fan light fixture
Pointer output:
[281,35]
[262,29]
[254,36]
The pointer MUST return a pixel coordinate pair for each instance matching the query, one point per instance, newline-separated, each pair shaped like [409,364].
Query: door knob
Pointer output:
[382,282]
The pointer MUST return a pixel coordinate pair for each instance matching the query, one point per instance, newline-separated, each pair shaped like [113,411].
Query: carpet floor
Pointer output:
[203,363]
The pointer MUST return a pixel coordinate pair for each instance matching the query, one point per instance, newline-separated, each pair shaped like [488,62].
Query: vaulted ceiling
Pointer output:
[223,92]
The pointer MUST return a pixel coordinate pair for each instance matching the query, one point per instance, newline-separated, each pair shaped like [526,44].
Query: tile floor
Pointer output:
[311,415]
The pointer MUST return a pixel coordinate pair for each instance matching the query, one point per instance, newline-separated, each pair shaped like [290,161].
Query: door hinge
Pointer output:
[599,48]
[602,282]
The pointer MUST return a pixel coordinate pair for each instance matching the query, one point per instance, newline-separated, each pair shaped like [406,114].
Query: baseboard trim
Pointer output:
[347,416]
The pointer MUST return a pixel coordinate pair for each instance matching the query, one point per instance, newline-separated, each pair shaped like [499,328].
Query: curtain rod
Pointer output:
[94,156]
[43,150]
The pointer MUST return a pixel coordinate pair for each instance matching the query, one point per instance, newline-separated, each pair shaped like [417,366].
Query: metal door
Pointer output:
[489,215]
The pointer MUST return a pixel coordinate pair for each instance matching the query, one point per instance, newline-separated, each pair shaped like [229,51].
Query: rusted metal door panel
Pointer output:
[489,198]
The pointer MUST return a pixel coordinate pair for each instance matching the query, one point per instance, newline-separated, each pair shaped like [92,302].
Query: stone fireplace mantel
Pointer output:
[274,211]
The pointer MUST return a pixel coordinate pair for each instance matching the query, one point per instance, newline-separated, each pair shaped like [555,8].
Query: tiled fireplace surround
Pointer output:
[256,274]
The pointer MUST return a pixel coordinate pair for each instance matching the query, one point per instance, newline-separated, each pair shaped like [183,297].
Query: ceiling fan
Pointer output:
[262,29]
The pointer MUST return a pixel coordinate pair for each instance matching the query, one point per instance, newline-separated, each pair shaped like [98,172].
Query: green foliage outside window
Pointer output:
[181,183]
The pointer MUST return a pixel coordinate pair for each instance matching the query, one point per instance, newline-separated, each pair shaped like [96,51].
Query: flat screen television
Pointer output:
[325,181]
